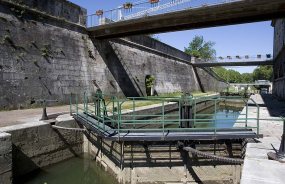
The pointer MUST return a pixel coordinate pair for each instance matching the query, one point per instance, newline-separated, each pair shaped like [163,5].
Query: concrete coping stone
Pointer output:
[22,126]
[6,143]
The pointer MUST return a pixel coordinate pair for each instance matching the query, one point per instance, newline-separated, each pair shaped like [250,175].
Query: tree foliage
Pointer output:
[263,73]
[200,48]
[232,76]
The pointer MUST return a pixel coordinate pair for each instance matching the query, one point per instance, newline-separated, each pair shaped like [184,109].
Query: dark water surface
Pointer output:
[77,170]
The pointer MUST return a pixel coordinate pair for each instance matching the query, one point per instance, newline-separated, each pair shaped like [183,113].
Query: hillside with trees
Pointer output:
[200,48]
[232,76]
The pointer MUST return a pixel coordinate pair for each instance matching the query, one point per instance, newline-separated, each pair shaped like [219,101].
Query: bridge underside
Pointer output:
[166,136]
[240,12]
[246,63]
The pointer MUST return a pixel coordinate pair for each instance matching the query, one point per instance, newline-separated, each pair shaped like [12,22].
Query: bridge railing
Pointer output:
[161,114]
[237,58]
[144,9]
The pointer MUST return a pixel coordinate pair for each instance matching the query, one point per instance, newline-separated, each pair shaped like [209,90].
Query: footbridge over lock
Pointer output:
[258,60]
[103,114]
[151,17]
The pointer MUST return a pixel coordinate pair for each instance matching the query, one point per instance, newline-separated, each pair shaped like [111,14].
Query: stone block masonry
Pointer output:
[35,145]
[44,58]
[279,58]
[143,163]
[5,158]
[62,9]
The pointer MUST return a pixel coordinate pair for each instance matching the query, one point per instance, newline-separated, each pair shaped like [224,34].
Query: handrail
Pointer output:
[94,106]
[145,9]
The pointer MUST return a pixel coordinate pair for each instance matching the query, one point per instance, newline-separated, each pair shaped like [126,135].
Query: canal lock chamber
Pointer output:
[148,162]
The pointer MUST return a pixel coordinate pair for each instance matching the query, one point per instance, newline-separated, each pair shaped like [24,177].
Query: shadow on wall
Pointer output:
[199,80]
[117,69]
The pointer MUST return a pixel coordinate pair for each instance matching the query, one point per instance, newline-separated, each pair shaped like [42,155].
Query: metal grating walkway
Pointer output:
[171,135]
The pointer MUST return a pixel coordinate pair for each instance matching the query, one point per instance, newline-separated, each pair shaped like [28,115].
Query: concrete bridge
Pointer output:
[204,16]
[258,82]
[244,63]
[234,61]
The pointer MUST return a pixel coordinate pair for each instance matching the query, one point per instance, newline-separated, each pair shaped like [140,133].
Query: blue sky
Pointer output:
[244,39]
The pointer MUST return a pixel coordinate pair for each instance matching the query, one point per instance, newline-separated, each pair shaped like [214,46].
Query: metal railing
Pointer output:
[144,9]
[110,116]
[236,58]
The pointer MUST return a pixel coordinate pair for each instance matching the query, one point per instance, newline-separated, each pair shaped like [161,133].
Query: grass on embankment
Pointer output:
[129,104]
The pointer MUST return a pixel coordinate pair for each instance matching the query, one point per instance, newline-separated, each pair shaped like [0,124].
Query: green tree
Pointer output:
[246,77]
[263,73]
[221,72]
[200,48]
[233,76]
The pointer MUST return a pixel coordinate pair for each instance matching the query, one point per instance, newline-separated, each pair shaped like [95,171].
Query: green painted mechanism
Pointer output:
[107,112]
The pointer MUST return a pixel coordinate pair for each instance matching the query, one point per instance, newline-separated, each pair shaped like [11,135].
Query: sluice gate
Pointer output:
[105,115]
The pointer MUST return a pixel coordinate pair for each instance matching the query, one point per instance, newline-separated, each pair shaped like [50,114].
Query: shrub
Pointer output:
[46,44]
[6,38]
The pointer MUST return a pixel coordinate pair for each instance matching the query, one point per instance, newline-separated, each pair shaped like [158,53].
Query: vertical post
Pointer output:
[190,115]
[163,117]
[103,114]
[84,101]
[282,145]
[119,118]
[182,114]
[76,101]
[98,106]
[246,115]
[94,100]
[215,117]
[113,101]
[87,108]
[258,119]
[194,113]
[179,106]
[122,156]
[99,93]
[44,116]
[134,118]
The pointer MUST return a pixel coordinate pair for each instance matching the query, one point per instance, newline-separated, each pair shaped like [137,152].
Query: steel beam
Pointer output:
[242,63]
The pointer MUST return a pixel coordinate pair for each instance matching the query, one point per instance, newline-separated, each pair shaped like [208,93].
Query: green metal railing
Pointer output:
[110,116]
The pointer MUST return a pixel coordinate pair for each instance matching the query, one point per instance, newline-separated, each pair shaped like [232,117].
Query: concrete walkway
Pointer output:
[258,169]
[16,117]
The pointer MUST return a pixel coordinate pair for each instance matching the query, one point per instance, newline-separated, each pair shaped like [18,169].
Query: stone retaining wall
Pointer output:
[5,158]
[46,58]
[36,145]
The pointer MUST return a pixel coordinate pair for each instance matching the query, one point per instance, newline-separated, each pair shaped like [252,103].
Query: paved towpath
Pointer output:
[258,169]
